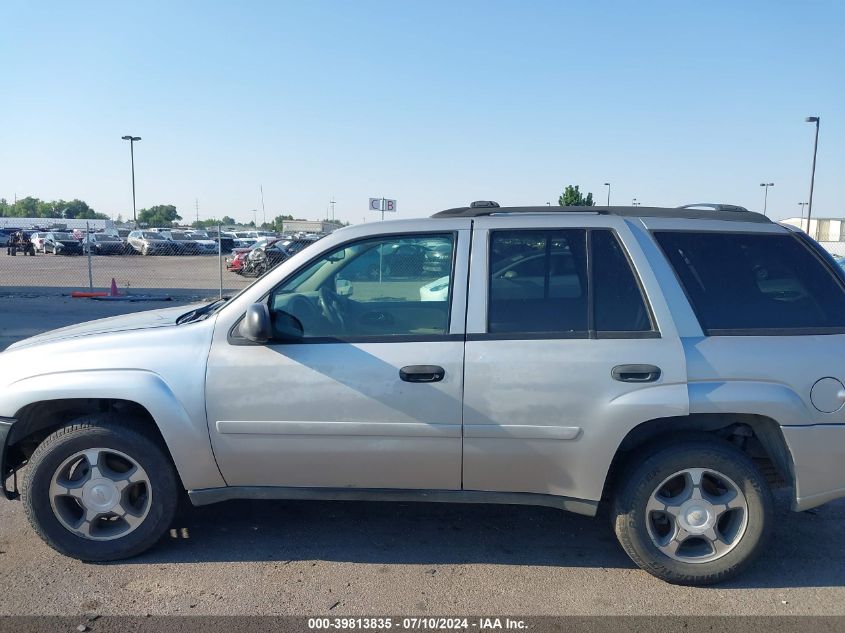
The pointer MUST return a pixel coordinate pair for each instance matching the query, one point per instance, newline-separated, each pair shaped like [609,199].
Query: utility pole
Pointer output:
[332,202]
[132,140]
[263,210]
[812,119]
[766,186]
[197,205]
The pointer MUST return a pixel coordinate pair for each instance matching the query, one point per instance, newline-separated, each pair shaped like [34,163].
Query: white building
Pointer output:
[59,223]
[309,226]
[829,232]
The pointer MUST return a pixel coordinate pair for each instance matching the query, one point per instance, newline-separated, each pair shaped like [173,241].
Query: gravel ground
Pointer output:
[360,558]
[129,272]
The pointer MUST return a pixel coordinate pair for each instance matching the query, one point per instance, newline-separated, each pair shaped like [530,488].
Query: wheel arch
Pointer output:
[46,402]
[759,436]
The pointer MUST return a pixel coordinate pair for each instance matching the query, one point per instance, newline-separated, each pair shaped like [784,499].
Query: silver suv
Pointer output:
[671,365]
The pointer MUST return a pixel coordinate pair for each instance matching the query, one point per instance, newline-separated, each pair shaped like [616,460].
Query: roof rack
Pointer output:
[723,212]
[714,207]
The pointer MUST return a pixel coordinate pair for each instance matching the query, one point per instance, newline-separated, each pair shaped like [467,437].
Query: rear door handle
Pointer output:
[636,373]
[422,373]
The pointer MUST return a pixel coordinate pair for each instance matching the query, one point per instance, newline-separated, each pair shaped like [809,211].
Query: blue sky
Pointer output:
[435,103]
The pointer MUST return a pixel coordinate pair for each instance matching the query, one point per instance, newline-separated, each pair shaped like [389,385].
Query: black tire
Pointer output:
[650,467]
[99,431]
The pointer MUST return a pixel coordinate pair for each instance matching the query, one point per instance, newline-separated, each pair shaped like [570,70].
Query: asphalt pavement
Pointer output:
[356,558]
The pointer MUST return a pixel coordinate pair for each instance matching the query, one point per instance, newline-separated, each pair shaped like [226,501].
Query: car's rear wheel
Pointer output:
[693,512]
[96,490]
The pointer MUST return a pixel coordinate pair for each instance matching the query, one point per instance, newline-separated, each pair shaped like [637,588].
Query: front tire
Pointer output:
[97,490]
[695,511]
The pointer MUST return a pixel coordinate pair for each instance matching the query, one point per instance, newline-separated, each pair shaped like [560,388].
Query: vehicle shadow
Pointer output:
[804,551]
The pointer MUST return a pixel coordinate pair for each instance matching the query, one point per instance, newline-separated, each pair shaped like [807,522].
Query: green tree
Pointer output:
[278,223]
[227,220]
[160,215]
[572,197]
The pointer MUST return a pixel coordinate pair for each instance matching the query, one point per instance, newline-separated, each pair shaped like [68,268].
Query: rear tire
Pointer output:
[667,523]
[114,511]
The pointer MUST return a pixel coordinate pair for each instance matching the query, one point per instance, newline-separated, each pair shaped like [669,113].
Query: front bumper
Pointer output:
[818,461]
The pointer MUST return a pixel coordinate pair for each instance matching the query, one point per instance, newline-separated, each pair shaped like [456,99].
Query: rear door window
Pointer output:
[617,296]
[754,283]
[538,282]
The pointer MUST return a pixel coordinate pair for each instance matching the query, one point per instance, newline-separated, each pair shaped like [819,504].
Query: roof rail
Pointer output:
[723,212]
[714,207]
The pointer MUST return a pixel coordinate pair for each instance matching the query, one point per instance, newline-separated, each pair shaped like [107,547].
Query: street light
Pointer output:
[634,203]
[607,184]
[802,204]
[766,194]
[132,140]
[812,119]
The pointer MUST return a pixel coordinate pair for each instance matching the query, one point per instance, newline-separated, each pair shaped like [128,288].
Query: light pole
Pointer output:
[607,184]
[766,194]
[812,119]
[132,140]
[634,203]
[802,205]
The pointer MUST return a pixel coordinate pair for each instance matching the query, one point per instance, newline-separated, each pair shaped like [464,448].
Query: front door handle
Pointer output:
[422,373]
[636,373]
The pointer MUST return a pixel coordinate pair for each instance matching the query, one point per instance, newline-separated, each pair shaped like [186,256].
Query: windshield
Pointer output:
[106,238]
[153,236]
[182,237]
[62,236]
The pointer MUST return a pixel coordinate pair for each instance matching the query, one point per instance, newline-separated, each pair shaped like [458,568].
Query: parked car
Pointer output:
[241,239]
[240,255]
[204,241]
[37,240]
[152,243]
[690,362]
[226,243]
[19,242]
[185,244]
[61,243]
[103,244]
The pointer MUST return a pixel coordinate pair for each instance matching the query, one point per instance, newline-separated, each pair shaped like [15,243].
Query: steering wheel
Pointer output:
[332,306]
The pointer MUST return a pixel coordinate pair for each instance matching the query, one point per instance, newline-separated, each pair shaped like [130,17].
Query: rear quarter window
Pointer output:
[755,283]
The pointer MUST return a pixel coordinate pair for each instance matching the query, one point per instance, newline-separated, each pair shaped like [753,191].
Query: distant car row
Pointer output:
[153,241]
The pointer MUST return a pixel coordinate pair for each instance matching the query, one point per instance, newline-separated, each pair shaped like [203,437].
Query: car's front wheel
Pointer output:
[97,490]
[694,511]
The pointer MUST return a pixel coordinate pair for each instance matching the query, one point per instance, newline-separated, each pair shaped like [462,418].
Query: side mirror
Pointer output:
[255,325]
[343,287]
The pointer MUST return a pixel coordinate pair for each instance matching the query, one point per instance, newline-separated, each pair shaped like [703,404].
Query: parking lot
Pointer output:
[187,272]
[376,558]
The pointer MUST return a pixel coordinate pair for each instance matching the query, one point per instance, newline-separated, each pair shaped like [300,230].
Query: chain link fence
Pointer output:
[183,262]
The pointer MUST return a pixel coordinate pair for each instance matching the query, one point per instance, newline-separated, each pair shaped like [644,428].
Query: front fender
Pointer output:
[186,436]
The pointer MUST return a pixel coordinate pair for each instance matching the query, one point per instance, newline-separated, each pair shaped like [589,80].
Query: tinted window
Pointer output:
[747,281]
[538,281]
[618,301]
[379,287]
